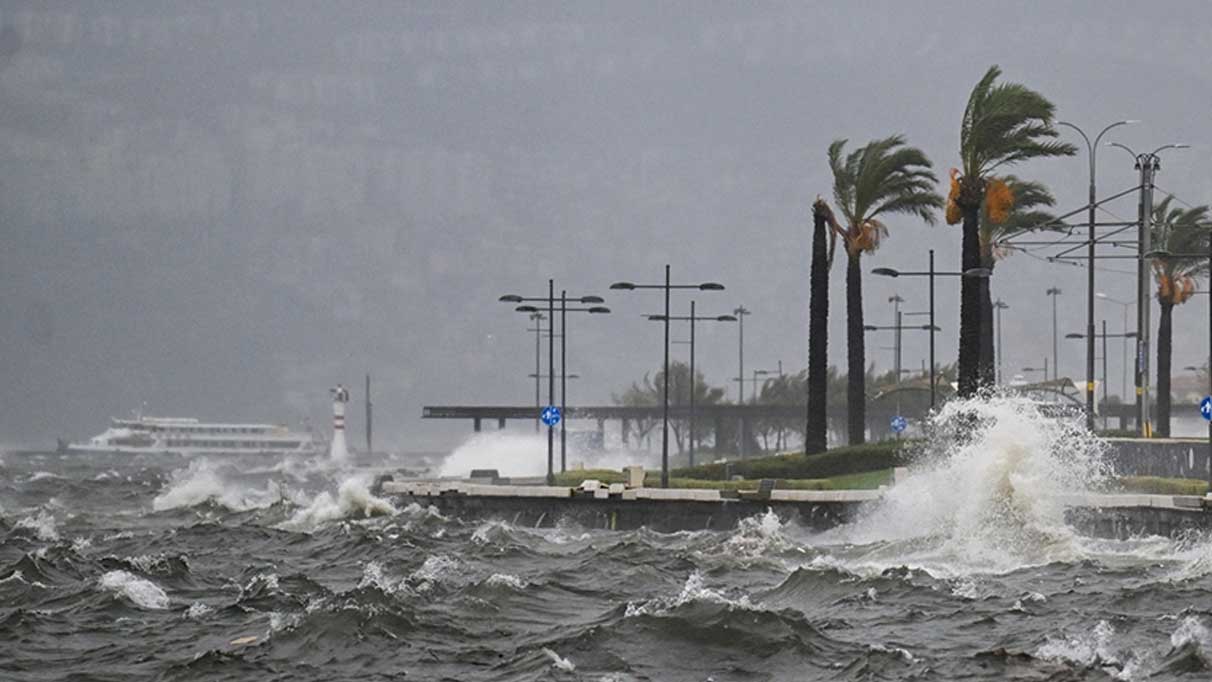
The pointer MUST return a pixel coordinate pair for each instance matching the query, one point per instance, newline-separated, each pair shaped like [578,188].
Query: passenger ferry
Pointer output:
[183,436]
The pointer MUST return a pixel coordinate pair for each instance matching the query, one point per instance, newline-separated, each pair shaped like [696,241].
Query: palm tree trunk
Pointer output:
[856,390]
[817,427]
[1165,344]
[988,374]
[970,303]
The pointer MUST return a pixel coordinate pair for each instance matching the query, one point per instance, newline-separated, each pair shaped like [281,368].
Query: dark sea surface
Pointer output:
[119,568]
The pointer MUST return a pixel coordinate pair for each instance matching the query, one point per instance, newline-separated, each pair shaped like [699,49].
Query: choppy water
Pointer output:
[120,569]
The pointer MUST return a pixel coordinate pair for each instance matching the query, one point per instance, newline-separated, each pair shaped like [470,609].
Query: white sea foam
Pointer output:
[694,590]
[43,526]
[437,569]
[41,476]
[141,591]
[353,500]
[1088,648]
[989,495]
[557,662]
[198,611]
[513,582]
[204,480]
[525,454]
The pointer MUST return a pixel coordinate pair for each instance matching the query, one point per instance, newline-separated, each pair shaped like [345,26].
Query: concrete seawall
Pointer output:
[671,510]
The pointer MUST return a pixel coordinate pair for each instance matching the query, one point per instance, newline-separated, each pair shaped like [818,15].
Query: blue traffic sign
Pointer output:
[1205,407]
[899,424]
[550,415]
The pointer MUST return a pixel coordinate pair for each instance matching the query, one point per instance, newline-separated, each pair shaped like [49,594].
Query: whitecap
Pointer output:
[558,662]
[141,591]
[353,500]
[43,525]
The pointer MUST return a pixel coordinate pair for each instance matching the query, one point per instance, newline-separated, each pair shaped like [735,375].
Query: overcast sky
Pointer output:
[221,209]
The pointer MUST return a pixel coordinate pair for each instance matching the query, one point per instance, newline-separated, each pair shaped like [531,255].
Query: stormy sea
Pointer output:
[133,568]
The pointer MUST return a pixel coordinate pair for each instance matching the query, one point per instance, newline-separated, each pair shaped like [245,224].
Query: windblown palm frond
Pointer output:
[1026,215]
[1005,123]
[1179,231]
[881,178]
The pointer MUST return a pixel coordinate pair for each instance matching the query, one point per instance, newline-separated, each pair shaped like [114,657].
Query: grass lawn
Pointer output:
[1156,485]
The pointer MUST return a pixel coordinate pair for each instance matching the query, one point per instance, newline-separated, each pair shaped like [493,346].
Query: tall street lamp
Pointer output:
[896,302]
[931,273]
[1092,149]
[537,318]
[692,318]
[1043,369]
[1053,293]
[1123,380]
[999,305]
[564,310]
[1104,336]
[514,298]
[631,286]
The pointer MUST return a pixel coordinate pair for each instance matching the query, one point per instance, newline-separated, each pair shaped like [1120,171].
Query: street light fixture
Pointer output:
[931,273]
[666,287]
[999,305]
[564,309]
[1104,336]
[1092,150]
[692,318]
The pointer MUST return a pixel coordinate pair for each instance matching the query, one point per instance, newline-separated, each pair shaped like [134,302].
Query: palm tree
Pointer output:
[1003,124]
[1178,231]
[884,177]
[816,428]
[1024,215]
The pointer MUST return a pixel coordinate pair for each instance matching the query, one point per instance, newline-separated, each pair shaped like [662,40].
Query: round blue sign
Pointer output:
[550,415]
[899,424]
[1205,407]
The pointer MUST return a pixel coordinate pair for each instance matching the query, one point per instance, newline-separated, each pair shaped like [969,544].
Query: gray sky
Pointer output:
[221,209]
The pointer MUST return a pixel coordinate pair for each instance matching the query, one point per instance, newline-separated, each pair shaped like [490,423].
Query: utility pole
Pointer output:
[1147,166]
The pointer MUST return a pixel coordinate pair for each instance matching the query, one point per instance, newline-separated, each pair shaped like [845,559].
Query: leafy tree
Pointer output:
[882,178]
[1003,124]
[650,393]
[1179,231]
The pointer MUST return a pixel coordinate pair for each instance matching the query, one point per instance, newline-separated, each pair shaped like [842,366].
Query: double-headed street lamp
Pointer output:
[631,286]
[1092,149]
[564,310]
[1104,336]
[514,298]
[932,273]
[692,318]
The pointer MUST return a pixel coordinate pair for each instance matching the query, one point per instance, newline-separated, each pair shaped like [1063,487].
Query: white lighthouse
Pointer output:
[340,395]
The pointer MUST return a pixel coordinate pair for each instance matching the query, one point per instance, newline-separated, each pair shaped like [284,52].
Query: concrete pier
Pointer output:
[616,507]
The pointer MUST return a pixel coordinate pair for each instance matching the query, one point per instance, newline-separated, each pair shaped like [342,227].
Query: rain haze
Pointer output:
[222,209]
[218,217]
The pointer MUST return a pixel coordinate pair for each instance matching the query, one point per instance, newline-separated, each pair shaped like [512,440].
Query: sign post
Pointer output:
[550,415]
[899,424]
